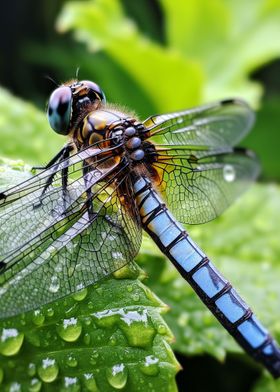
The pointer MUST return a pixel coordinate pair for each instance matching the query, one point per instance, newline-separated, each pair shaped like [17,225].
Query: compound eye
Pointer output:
[60,110]
[95,88]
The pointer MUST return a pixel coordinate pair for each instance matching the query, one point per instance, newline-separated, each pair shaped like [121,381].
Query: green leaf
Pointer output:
[212,47]
[244,244]
[263,139]
[267,384]
[230,39]
[101,24]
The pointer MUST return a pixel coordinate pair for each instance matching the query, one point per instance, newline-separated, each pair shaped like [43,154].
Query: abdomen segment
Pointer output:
[212,288]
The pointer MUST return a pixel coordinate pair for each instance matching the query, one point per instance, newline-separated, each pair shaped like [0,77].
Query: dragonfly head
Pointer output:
[69,101]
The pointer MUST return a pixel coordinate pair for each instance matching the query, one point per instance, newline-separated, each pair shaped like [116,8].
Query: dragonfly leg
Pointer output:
[63,154]
[88,204]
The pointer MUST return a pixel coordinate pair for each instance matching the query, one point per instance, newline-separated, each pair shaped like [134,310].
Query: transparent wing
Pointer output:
[199,186]
[219,124]
[31,207]
[70,238]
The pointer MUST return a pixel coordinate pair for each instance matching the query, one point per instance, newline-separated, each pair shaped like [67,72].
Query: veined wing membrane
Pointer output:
[197,189]
[38,181]
[26,212]
[95,245]
[219,124]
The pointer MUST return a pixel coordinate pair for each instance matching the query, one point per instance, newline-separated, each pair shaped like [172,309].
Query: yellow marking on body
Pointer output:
[95,138]
[87,128]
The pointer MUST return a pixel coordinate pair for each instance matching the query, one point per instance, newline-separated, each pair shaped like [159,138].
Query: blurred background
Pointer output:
[150,56]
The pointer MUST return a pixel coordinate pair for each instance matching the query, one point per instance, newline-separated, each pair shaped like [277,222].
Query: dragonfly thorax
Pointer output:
[112,131]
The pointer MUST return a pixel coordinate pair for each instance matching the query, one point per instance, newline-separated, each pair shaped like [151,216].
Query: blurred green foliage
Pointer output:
[159,56]
[24,131]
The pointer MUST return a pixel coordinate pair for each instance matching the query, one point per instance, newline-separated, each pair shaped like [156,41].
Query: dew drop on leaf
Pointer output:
[117,376]
[35,385]
[161,329]
[48,370]
[71,361]
[14,387]
[10,341]
[71,384]
[87,339]
[50,312]
[150,366]
[70,329]
[38,318]
[80,295]
[90,383]
[31,369]
[135,297]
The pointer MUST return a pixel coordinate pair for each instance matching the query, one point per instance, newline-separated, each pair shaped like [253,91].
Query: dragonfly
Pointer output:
[80,218]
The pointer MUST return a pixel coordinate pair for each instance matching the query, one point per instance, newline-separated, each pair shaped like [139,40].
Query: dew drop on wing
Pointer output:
[54,286]
[180,120]
[229,173]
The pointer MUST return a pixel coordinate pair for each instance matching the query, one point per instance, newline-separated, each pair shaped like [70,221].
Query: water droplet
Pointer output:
[161,329]
[70,329]
[112,341]
[129,288]
[129,322]
[87,339]
[71,384]
[150,366]
[129,271]
[14,387]
[55,284]
[117,376]
[135,297]
[48,370]
[87,321]
[80,295]
[90,383]
[10,341]
[180,120]
[35,385]
[31,371]
[93,357]
[1,375]
[50,312]
[38,318]
[71,361]
[229,173]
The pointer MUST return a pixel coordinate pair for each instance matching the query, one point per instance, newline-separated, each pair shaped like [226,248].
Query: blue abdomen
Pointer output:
[213,289]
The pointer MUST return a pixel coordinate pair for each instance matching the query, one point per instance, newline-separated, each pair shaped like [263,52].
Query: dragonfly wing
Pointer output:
[30,209]
[77,248]
[199,187]
[219,124]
